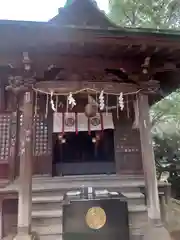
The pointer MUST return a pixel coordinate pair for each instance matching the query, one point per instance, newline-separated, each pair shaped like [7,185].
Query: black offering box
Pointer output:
[95,215]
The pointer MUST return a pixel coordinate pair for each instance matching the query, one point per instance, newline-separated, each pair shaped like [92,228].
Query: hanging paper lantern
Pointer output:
[98,136]
[63,140]
[60,136]
[94,140]
[90,110]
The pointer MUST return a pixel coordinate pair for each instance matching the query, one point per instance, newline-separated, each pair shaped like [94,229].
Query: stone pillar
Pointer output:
[155,229]
[25,179]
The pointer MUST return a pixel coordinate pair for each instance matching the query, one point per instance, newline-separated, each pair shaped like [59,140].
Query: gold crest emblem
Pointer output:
[96,218]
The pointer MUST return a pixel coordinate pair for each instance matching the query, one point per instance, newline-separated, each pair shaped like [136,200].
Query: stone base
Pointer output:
[23,237]
[33,236]
[156,232]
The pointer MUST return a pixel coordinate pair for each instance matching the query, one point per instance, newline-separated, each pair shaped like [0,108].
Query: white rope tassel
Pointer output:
[47,103]
[117,107]
[101,101]
[107,101]
[127,106]
[71,101]
[136,113]
[121,101]
[36,103]
[56,103]
[52,103]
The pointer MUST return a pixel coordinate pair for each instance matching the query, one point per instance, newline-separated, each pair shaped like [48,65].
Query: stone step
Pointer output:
[88,178]
[138,217]
[52,229]
[58,212]
[134,198]
[59,237]
[51,237]
[46,206]
[47,213]
[46,221]
[50,193]
[50,202]
[63,187]
[137,208]
[47,198]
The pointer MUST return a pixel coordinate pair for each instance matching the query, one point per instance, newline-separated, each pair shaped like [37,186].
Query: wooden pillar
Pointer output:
[148,159]
[2,97]
[155,229]
[1,218]
[25,179]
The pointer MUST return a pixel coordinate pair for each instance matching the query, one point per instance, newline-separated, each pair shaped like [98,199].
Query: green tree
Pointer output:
[165,116]
[145,13]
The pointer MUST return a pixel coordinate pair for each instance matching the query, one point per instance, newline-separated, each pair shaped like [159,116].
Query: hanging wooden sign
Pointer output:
[72,122]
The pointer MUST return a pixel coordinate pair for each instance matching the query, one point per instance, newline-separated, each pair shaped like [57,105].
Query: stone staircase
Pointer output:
[47,214]
[47,209]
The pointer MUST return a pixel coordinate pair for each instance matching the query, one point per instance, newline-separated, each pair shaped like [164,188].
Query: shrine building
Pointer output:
[74,111]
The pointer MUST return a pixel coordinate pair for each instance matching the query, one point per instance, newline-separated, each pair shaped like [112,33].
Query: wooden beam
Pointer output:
[64,88]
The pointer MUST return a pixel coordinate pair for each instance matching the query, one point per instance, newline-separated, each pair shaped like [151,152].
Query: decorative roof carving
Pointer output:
[21,82]
[82,13]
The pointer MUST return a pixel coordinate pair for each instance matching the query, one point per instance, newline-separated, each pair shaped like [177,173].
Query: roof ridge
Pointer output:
[77,12]
[69,2]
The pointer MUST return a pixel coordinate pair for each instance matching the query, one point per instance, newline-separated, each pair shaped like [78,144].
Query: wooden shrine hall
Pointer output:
[74,110]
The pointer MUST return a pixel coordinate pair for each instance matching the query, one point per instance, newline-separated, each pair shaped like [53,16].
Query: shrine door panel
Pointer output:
[127,147]
[5,145]
[42,145]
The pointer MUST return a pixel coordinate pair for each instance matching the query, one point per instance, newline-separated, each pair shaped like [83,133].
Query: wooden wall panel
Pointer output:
[127,146]
[9,215]
[4,170]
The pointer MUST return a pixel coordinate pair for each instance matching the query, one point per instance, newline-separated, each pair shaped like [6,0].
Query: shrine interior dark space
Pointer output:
[90,153]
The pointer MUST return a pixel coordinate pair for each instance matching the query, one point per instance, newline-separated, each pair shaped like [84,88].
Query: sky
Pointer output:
[35,10]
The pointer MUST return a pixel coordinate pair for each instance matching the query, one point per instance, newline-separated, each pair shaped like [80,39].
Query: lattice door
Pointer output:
[42,145]
[41,136]
[5,122]
[5,143]
[42,139]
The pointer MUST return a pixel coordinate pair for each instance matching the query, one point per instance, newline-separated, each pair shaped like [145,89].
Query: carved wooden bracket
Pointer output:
[19,84]
[150,87]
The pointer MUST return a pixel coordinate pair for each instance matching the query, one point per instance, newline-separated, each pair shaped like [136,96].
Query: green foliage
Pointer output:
[165,115]
[146,13]
[166,126]
[166,135]
[68,2]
